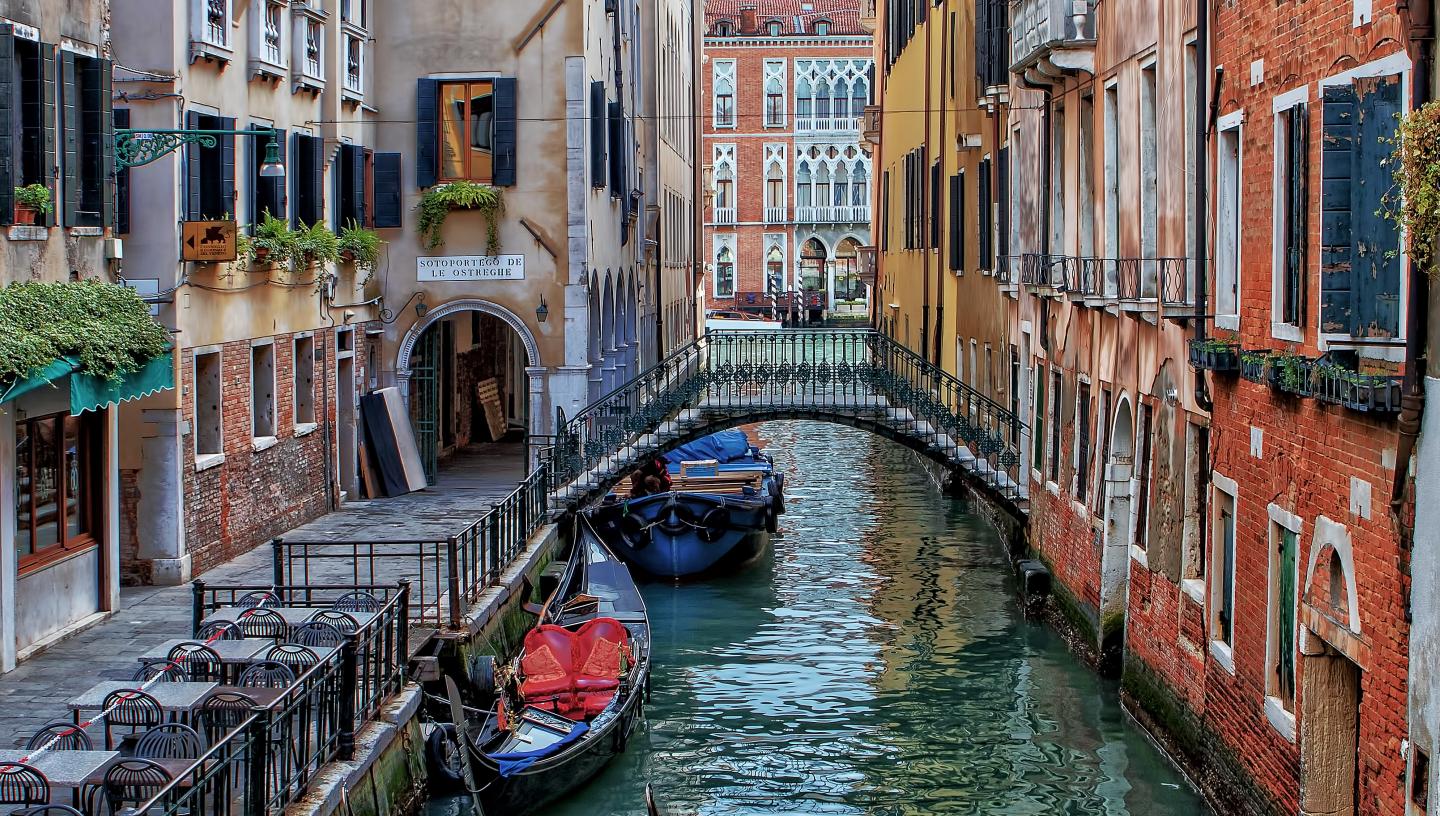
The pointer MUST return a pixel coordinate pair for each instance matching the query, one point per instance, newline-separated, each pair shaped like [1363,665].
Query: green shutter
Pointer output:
[70,120]
[103,103]
[1039,423]
[9,123]
[387,190]
[49,136]
[506,131]
[193,165]
[1285,616]
[226,146]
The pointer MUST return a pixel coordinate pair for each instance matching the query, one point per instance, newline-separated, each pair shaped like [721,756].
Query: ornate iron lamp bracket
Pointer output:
[134,148]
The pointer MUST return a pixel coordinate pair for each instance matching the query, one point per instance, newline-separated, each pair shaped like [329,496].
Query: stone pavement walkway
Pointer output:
[36,691]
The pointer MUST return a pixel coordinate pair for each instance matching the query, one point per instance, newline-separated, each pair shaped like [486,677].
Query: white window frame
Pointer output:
[1282,720]
[210,458]
[302,341]
[202,32]
[258,440]
[305,17]
[777,70]
[350,34]
[723,242]
[1280,105]
[1222,652]
[1233,122]
[262,61]
[723,72]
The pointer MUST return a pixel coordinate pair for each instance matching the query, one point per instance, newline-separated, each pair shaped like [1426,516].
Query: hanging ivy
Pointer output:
[437,203]
[107,328]
[1413,204]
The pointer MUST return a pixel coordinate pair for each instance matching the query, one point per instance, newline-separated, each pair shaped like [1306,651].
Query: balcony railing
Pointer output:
[852,214]
[777,215]
[812,124]
[870,131]
[724,215]
[1060,32]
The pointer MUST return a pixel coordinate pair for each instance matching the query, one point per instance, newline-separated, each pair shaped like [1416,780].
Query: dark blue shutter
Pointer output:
[616,118]
[71,127]
[9,123]
[598,170]
[1337,161]
[1377,275]
[122,182]
[193,165]
[49,137]
[1003,173]
[987,258]
[387,190]
[102,103]
[226,146]
[317,180]
[506,131]
[956,222]
[357,186]
[1297,215]
[427,132]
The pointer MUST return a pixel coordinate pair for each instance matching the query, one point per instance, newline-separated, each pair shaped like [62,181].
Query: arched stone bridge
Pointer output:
[859,378]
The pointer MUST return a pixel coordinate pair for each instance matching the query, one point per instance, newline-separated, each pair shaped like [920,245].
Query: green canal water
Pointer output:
[878,663]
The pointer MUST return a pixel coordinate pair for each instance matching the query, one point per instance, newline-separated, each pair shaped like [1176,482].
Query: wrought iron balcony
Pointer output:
[1052,38]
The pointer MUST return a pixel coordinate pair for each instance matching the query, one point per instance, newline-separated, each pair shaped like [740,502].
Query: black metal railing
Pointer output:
[861,375]
[1041,270]
[1175,282]
[447,575]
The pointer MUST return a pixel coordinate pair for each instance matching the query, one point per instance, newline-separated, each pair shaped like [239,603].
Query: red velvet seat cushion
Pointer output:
[574,674]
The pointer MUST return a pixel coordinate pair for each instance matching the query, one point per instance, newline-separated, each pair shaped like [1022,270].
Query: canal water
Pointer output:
[878,663]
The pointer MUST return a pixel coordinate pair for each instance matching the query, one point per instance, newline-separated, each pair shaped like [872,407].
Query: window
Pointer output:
[723,79]
[1082,442]
[308,177]
[1112,187]
[352,187]
[723,28]
[774,93]
[304,384]
[354,63]
[1420,779]
[775,269]
[1197,466]
[773,27]
[959,221]
[1038,421]
[822,28]
[599,131]
[354,12]
[212,22]
[267,193]
[313,61]
[1057,397]
[272,33]
[1102,462]
[1292,167]
[1014,394]
[209,415]
[1223,593]
[1057,182]
[209,171]
[1227,224]
[1192,72]
[87,160]
[1085,161]
[27,160]
[1149,184]
[1145,447]
[1360,120]
[1284,543]
[262,391]
[725,273]
[59,467]
[987,216]
[467,131]
[935,204]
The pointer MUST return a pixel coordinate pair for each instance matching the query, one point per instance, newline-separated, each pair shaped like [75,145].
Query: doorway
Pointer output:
[1115,558]
[1329,732]
[347,463]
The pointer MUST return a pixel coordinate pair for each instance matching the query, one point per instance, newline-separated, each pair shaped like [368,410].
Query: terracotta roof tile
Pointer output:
[844,15]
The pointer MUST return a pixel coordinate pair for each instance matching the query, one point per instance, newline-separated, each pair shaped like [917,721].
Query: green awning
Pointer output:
[89,392]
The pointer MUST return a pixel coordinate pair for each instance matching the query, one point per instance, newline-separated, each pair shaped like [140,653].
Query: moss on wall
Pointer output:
[395,784]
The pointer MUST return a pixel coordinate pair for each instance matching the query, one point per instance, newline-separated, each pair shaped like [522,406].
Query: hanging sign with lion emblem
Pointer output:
[208,241]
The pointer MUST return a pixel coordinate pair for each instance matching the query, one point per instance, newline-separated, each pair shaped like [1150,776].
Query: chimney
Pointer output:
[749,18]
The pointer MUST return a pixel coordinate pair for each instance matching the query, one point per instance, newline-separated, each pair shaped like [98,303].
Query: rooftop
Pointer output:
[796,17]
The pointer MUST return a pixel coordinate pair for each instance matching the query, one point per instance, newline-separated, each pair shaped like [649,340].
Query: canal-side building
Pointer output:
[261,433]
[786,85]
[60,435]
[944,204]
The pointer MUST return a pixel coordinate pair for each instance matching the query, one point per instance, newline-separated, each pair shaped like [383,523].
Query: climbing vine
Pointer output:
[1413,204]
[435,206]
[107,328]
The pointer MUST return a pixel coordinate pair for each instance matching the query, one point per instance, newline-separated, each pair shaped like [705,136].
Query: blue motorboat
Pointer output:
[707,507]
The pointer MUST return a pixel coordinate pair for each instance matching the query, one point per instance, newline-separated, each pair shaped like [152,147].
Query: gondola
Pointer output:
[568,703]
[720,501]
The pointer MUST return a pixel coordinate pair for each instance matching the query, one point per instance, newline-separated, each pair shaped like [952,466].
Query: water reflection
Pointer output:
[877,665]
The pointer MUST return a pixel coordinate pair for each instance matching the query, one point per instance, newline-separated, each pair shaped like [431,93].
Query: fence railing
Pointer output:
[447,575]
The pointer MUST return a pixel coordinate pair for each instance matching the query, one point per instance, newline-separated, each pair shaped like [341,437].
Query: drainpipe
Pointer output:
[931,17]
[1422,41]
[1202,193]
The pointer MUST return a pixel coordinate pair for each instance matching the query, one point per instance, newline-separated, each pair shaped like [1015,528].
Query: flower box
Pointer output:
[1290,374]
[1253,365]
[1217,356]
[1370,393]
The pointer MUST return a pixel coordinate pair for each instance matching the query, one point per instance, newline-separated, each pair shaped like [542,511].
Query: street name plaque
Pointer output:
[470,268]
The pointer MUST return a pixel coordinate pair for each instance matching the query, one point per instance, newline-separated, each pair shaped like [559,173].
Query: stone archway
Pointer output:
[1115,557]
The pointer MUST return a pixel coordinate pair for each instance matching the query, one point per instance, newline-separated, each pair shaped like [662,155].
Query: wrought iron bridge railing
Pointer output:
[859,377]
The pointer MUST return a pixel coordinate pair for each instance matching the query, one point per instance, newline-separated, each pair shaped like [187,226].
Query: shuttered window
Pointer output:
[599,115]
[88,138]
[1360,273]
[209,171]
[307,174]
[352,188]
[122,182]
[1293,127]
[387,190]
[986,205]
[267,194]
[466,130]
[1003,171]
[616,119]
[957,223]
[27,117]
[935,217]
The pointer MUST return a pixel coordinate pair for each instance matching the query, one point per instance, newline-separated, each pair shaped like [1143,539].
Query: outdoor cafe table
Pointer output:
[292,615]
[174,698]
[230,651]
[66,769]
[263,697]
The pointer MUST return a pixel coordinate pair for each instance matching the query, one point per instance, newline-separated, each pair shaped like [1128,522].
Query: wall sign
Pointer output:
[470,268]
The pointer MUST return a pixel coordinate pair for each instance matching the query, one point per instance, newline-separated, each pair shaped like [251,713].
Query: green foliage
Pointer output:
[362,246]
[438,201]
[1292,371]
[107,328]
[1339,372]
[1413,204]
[1216,344]
[315,244]
[35,197]
[273,239]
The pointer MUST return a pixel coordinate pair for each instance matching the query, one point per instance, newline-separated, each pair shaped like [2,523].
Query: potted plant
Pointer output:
[1375,393]
[361,247]
[315,244]
[31,202]
[1413,202]
[1253,364]
[437,203]
[272,241]
[1218,354]
[1290,373]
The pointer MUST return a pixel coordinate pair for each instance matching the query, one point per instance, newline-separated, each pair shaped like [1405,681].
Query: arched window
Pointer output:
[804,195]
[724,187]
[725,273]
[774,27]
[822,99]
[812,266]
[822,28]
[842,184]
[847,271]
[774,103]
[775,186]
[822,186]
[804,101]
[722,28]
[775,271]
[859,96]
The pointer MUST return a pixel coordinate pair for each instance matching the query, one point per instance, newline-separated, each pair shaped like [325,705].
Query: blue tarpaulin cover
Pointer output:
[725,446]
[517,761]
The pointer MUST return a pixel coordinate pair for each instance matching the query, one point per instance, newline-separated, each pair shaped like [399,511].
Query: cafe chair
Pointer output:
[359,601]
[219,630]
[167,671]
[134,782]
[318,634]
[170,741]
[201,663]
[49,810]
[223,712]
[267,674]
[262,623]
[66,736]
[22,785]
[130,708]
[294,656]
[250,600]
[346,624]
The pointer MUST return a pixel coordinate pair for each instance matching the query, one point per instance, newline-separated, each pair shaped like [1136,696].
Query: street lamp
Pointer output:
[135,148]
